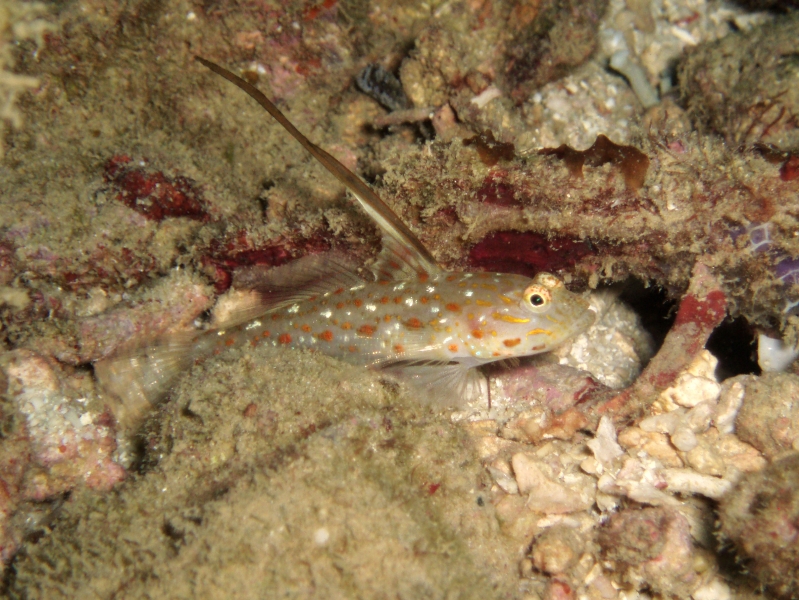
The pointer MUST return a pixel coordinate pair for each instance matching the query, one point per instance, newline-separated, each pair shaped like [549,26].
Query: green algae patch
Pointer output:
[281,474]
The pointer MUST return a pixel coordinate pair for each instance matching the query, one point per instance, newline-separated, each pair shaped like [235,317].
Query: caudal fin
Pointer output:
[135,381]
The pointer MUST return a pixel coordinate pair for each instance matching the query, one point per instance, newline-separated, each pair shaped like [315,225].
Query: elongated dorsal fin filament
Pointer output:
[407,249]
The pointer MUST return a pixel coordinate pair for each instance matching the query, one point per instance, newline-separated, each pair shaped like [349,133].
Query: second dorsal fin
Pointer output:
[403,254]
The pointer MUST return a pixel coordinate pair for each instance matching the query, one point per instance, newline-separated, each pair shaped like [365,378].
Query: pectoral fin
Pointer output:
[443,384]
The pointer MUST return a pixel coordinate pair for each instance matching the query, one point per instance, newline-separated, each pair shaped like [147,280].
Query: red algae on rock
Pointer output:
[152,194]
[526,253]
[312,462]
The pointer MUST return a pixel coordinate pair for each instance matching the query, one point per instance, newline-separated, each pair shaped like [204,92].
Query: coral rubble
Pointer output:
[140,194]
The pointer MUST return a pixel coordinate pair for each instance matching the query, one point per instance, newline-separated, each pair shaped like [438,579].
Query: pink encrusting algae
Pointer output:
[427,325]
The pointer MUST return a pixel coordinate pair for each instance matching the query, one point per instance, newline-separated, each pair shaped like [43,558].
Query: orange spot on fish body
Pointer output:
[453,347]
[229,342]
[399,348]
[326,336]
[495,354]
[414,323]
[340,305]
[453,307]
[384,300]
[509,318]
[353,349]
[423,277]
[505,299]
[424,300]
[538,348]
[339,290]
[367,330]
[483,303]
[489,286]
[436,296]
[358,302]
[387,318]
[265,333]
[451,277]
[284,338]
[346,325]
[512,343]
[476,333]
[537,331]
[398,300]
[275,317]
[306,328]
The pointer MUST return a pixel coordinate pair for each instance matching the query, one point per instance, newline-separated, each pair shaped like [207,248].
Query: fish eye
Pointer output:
[536,298]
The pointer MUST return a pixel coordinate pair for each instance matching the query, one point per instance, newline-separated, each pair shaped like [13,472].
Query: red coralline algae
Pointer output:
[790,168]
[314,10]
[526,253]
[224,259]
[705,312]
[153,194]
[632,163]
[788,161]
[497,192]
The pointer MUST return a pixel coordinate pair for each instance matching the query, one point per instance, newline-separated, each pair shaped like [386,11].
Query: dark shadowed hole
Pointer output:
[734,343]
[653,307]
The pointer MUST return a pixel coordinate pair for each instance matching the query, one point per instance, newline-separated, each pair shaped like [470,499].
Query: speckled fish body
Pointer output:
[469,318]
[427,325]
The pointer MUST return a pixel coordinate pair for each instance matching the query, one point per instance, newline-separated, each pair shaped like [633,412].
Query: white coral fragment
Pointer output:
[604,445]
[544,494]
[687,481]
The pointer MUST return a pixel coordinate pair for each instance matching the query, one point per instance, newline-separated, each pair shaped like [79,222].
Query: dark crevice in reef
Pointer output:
[734,343]
[654,308]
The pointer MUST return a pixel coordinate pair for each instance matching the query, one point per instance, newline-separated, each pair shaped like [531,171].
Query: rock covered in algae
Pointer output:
[761,518]
[769,415]
[746,85]
[281,473]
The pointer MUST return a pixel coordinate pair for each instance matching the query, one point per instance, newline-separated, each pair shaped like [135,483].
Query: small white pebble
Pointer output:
[684,439]
[715,589]
[486,96]
[321,536]
[773,355]
[729,404]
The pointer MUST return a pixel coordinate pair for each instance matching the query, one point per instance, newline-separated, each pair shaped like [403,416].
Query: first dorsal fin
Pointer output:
[403,254]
